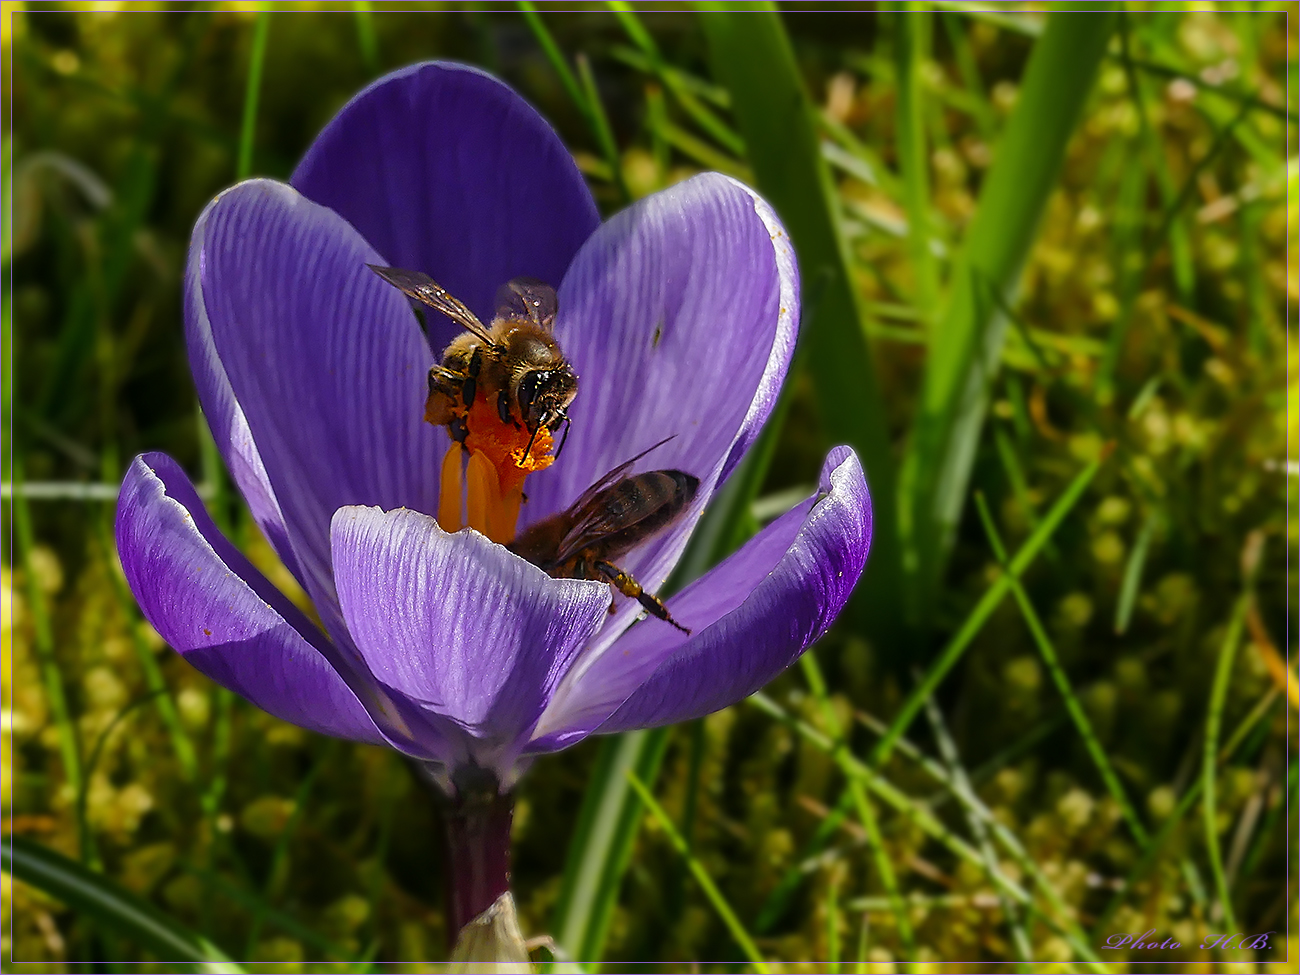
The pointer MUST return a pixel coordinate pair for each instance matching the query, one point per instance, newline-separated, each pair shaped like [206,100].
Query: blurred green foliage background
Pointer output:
[1148,337]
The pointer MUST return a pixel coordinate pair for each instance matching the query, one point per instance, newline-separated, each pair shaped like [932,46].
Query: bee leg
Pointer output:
[456,427]
[445,387]
[469,387]
[503,407]
[629,587]
[445,381]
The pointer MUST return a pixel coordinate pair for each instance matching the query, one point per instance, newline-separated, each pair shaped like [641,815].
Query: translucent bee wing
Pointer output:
[527,299]
[589,495]
[589,521]
[421,287]
[627,513]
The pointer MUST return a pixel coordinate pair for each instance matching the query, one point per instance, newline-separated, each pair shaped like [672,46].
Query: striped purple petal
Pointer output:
[459,624]
[446,170]
[325,361]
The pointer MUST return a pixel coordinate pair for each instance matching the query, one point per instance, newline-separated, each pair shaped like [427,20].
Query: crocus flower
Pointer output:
[679,316]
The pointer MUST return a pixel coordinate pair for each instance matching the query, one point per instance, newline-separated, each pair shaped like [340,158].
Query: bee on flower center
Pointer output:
[515,364]
[501,390]
[610,518]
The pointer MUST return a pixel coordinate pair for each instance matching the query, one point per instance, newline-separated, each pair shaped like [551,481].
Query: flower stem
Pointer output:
[478,853]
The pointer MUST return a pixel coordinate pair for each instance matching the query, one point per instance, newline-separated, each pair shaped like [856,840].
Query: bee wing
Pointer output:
[590,523]
[424,289]
[606,481]
[593,526]
[527,299]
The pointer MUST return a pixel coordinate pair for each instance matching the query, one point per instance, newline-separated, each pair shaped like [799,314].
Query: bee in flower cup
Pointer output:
[502,390]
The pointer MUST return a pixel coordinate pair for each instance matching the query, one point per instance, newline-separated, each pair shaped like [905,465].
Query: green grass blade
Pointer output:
[1025,25]
[965,794]
[278,874]
[751,55]
[1132,581]
[694,84]
[1072,704]
[1248,723]
[833,925]
[255,904]
[924,819]
[51,675]
[982,611]
[1185,803]
[606,828]
[367,41]
[964,55]
[581,89]
[214,476]
[697,150]
[107,904]
[968,340]
[252,91]
[83,794]
[918,812]
[1019,483]
[1180,249]
[1210,765]
[599,122]
[840,752]
[671,80]
[675,888]
[866,165]
[775,906]
[1280,808]
[701,875]
[911,46]
[553,54]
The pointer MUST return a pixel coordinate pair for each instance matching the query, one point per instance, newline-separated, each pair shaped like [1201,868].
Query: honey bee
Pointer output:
[612,516]
[516,359]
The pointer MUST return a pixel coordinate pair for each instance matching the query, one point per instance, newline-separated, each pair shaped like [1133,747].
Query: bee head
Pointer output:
[543,396]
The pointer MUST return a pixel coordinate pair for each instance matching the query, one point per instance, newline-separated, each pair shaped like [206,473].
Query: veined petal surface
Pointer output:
[680,315]
[459,624]
[446,170]
[325,361]
[225,417]
[206,600]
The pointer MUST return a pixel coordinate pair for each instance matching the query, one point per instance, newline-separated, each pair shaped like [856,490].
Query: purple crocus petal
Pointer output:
[326,362]
[456,622]
[752,616]
[680,317]
[220,613]
[445,170]
[226,420]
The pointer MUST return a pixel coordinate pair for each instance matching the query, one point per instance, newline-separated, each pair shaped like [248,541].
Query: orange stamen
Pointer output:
[503,528]
[483,495]
[494,476]
[450,510]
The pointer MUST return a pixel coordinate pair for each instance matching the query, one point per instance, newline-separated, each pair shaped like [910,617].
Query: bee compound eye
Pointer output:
[530,386]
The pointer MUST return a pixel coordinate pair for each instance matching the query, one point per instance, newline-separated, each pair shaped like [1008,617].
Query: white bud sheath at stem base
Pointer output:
[492,942]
